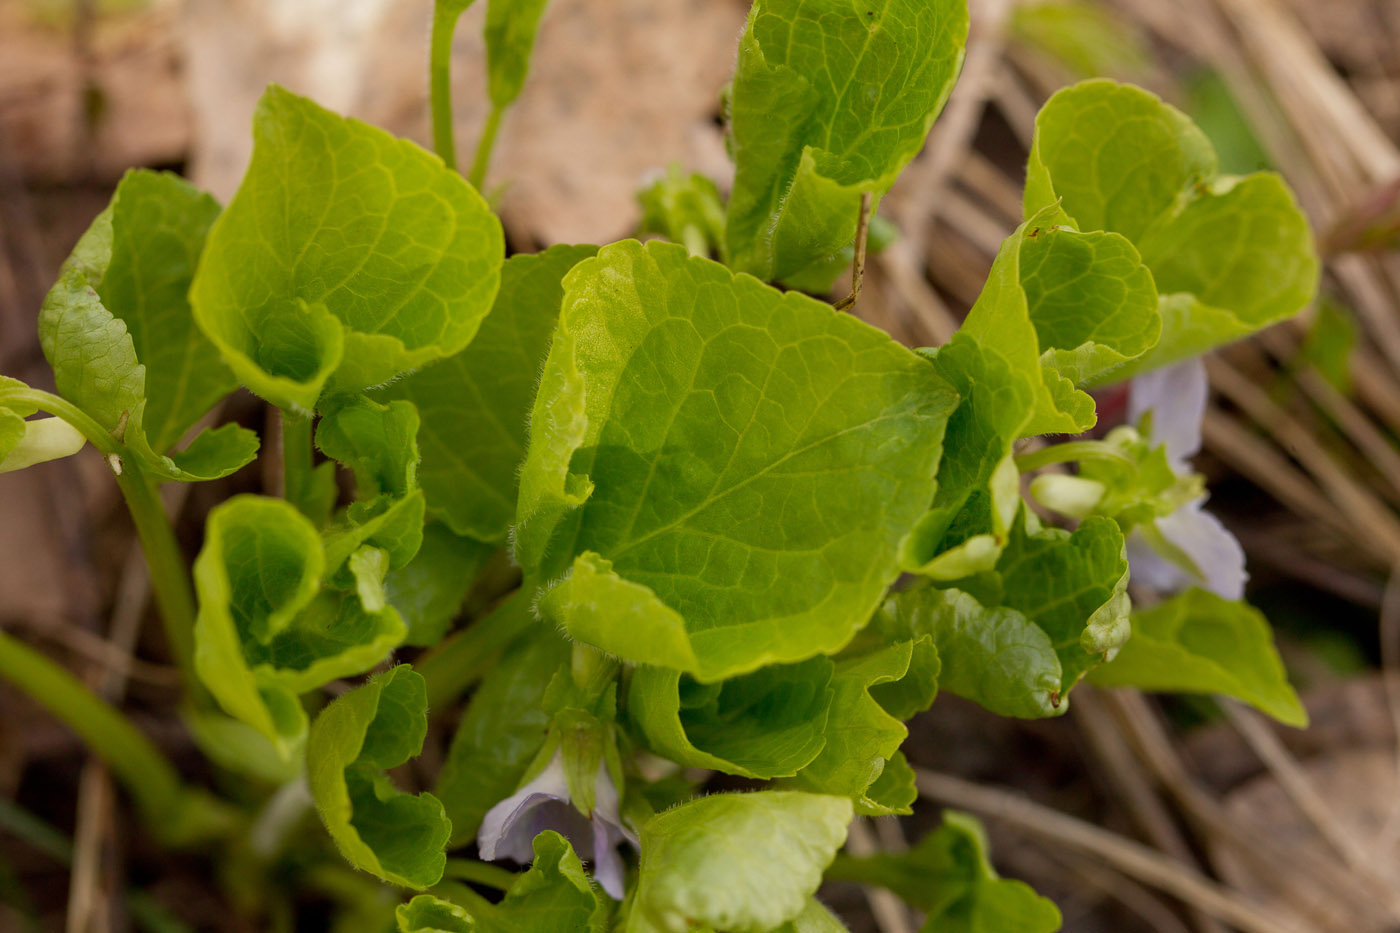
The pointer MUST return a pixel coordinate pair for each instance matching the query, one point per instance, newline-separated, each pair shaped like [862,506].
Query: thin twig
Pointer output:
[1390,681]
[1105,740]
[858,266]
[1131,858]
[1295,784]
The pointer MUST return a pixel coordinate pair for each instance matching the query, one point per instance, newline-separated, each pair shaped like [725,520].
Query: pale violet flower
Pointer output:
[510,827]
[1176,396]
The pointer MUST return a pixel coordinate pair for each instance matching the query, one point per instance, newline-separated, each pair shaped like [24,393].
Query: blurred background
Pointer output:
[1301,439]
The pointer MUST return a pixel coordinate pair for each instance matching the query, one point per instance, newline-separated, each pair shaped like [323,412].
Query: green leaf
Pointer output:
[118,332]
[727,469]
[377,442]
[159,224]
[346,258]
[949,877]
[1074,306]
[738,862]
[861,736]
[979,489]
[429,590]
[396,525]
[394,836]
[829,101]
[766,724]
[501,732]
[1199,643]
[1230,255]
[474,405]
[266,630]
[1072,586]
[995,657]
[685,208]
[510,35]
[428,914]
[555,894]
[25,443]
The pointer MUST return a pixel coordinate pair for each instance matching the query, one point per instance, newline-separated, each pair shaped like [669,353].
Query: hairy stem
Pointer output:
[482,159]
[440,83]
[461,660]
[147,774]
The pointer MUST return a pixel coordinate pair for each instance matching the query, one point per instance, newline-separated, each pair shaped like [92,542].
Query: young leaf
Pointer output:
[118,332]
[767,724]
[394,836]
[266,631]
[474,405]
[501,732]
[995,657]
[377,442]
[1072,306]
[949,877]
[510,35]
[428,914]
[1073,586]
[1199,643]
[555,894]
[861,736]
[685,208]
[429,590]
[740,862]
[1230,255]
[979,489]
[727,469]
[829,101]
[346,258]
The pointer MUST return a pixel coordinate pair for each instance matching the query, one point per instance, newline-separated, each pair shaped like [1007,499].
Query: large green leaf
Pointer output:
[1072,306]
[745,863]
[474,405]
[346,258]
[501,732]
[394,836]
[949,877]
[266,630]
[830,101]
[1199,643]
[1230,255]
[766,724]
[719,474]
[117,329]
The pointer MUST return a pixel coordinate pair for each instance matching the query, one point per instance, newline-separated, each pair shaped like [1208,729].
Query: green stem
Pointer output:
[484,873]
[170,579]
[96,435]
[1073,450]
[170,575]
[461,660]
[146,774]
[440,82]
[296,457]
[482,159]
